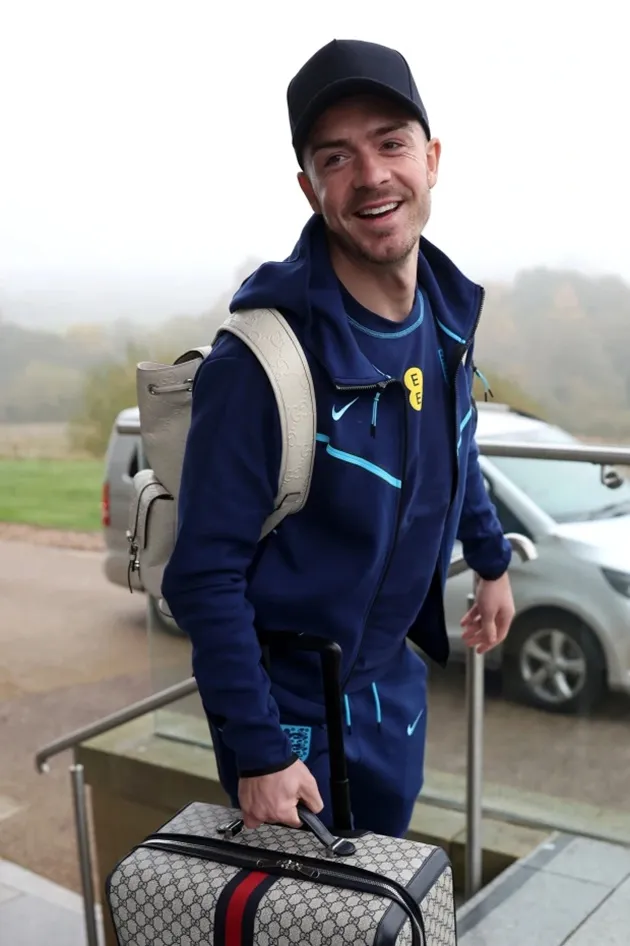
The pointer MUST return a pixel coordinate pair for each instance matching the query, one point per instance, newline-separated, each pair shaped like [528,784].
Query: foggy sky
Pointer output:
[146,149]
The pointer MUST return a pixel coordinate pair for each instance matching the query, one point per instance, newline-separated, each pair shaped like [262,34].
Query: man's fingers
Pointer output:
[471,615]
[309,794]
[489,631]
[273,798]
[481,633]
[291,818]
[472,629]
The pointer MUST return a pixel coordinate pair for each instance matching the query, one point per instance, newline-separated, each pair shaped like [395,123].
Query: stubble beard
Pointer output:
[361,254]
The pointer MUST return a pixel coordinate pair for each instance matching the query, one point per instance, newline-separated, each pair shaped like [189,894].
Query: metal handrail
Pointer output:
[107,723]
[582,453]
[495,447]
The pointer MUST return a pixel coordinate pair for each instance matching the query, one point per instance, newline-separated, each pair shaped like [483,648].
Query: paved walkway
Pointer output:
[37,912]
[569,892]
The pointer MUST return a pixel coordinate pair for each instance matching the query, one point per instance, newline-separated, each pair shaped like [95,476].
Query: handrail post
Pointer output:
[85,856]
[475,703]
[475,665]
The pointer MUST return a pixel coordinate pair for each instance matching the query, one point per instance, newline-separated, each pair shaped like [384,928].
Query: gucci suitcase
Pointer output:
[204,879]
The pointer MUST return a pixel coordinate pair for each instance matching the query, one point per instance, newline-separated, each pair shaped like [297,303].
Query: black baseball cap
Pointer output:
[349,67]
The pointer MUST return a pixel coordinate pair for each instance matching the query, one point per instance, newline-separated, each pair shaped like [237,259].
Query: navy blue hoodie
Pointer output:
[325,570]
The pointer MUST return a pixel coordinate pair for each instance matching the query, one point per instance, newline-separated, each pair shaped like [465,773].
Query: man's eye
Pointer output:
[332,159]
[392,145]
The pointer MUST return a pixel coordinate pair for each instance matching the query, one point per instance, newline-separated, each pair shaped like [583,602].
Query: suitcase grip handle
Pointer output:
[340,847]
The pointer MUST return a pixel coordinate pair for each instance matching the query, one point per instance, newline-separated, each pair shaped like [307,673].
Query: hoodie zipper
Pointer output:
[294,865]
[460,360]
[382,385]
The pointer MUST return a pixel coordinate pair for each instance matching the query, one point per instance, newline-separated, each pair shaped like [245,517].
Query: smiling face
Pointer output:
[369,170]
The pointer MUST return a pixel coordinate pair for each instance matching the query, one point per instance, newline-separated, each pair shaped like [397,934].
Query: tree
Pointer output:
[507,391]
[108,389]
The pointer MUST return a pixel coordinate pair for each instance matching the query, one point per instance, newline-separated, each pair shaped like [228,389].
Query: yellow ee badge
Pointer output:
[414,382]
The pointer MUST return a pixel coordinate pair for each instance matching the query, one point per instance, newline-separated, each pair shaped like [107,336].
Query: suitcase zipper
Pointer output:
[356,878]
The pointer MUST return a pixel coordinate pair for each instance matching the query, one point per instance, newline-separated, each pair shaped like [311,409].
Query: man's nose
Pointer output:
[371,171]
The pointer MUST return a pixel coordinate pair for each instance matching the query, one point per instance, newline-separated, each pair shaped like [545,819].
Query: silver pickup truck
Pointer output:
[570,641]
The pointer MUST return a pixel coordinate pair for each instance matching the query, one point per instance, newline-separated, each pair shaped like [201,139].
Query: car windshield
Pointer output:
[567,491]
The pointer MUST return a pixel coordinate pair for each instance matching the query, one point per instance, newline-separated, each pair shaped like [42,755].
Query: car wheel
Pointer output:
[553,661]
[162,622]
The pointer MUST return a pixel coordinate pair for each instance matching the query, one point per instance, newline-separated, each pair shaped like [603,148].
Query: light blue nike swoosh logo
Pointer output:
[411,727]
[338,414]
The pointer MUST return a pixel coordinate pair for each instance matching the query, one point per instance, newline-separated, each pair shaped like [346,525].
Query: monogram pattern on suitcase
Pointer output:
[160,899]
[391,857]
[163,899]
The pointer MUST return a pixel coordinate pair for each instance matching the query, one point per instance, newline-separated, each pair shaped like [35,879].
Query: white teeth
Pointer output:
[376,211]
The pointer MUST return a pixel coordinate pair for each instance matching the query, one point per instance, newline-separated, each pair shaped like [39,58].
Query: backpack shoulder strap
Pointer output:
[268,334]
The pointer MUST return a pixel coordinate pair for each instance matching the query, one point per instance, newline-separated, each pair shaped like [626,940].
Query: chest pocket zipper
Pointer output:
[377,398]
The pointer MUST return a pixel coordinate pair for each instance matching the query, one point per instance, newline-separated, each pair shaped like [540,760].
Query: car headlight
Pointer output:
[620,581]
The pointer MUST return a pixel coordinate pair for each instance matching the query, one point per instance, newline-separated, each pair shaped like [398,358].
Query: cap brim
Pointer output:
[341,89]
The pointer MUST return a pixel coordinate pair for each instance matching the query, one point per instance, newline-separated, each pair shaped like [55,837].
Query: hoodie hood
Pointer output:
[304,287]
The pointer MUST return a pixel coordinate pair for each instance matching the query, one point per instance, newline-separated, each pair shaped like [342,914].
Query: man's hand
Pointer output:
[487,623]
[268,799]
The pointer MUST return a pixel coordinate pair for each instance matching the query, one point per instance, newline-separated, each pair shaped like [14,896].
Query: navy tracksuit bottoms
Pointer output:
[385,732]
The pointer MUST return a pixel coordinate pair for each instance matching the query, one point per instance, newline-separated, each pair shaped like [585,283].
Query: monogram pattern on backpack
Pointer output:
[165,396]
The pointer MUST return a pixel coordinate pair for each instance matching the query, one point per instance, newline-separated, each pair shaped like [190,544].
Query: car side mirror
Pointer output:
[610,477]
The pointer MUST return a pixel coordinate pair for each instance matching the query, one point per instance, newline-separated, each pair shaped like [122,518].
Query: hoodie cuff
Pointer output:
[256,773]
[260,746]
[490,562]
[495,575]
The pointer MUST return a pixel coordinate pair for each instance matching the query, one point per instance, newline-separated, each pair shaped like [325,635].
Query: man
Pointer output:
[387,323]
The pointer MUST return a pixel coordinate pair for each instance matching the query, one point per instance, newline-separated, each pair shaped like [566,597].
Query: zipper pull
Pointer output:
[487,389]
[288,864]
[377,398]
[232,828]
[133,563]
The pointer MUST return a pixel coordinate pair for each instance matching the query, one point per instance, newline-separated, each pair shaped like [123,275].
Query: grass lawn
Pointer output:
[57,494]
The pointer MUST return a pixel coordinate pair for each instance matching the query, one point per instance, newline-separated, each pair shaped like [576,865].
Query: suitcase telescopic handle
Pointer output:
[285,642]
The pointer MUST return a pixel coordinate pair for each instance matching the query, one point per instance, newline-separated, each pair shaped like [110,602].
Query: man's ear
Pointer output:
[309,193]
[434,151]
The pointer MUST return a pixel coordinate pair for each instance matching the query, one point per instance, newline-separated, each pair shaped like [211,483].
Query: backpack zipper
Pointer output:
[133,565]
[295,865]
